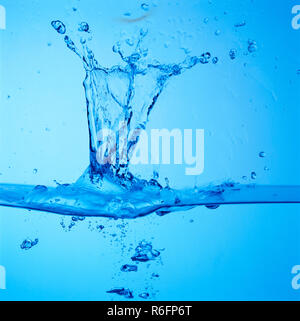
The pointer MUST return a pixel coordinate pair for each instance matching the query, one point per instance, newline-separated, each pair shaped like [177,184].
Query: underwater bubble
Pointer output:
[84,27]
[252,46]
[240,24]
[253,175]
[59,26]
[215,60]
[129,268]
[123,292]
[28,244]
[232,54]
[35,171]
[262,154]
[144,295]
[144,252]
[205,20]
[100,227]
[212,207]
[217,32]
[145,6]
[266,168]
[155,275]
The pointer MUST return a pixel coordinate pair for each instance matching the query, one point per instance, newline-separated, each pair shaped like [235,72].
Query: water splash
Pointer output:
[128,93]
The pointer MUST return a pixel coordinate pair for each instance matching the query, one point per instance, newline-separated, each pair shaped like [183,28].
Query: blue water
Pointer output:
[230,88]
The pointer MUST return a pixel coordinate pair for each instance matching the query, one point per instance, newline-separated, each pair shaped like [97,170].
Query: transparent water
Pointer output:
[231,92]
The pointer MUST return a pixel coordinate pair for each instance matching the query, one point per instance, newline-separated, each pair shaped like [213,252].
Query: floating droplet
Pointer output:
[84,27]
[215,60]
[262,154]
[59,26]
[35,171]
[145,6]
[205,20]
[253,175]
[217,32]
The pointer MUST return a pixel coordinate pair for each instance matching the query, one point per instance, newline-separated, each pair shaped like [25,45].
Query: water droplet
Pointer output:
[266,168]
[59,26]
[84,27]
[155,175]
[215,60]
[262,154]
[35,171]
[217,32]
[232,54]
[205,20]
[145,6]
[253,175]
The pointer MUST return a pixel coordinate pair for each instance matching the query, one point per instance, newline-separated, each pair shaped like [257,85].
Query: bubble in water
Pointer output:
[253,175]
[144,295]
[240,24]
[59,26]
[217,32]
[215,60]
[84,27]
[129,268]
[262,154]
[123,292]
[266,168]
[35,171]
[205,20]
[28,244]
[144,252]
[232,54]
[252,46]
[145,6]
[212,207]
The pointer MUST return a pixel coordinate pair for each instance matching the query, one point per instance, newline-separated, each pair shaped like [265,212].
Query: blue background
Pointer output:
[245,106]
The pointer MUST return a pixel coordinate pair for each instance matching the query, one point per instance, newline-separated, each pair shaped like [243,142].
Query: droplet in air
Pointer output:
[215,60]
[145,6]
[84,27]
[59,26]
